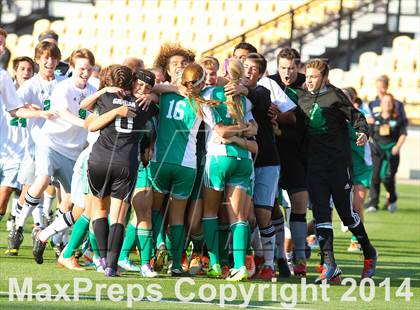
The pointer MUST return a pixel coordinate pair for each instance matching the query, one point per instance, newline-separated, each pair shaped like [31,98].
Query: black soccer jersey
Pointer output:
[118,141]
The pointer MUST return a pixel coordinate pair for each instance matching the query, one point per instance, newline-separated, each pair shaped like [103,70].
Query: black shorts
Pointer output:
[111,180]
[292,168]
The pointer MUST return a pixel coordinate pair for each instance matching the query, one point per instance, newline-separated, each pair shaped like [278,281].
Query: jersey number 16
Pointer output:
[176,111]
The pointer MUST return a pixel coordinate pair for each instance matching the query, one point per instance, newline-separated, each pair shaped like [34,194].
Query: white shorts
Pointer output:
[9,174]
[26,174]
[79,181]
[266,180]
[51,163]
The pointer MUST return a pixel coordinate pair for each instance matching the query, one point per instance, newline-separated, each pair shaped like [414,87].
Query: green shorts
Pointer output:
[143,177]
[362,176]
[85,181]
[197,191]
[221,171]
[174,179]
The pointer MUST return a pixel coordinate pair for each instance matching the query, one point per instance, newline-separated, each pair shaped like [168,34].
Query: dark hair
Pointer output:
[18,60]
[3,32]
[49,34]
[260,60]
[289,53]
[245,46]
[51,48]
[146,76]
[122,76]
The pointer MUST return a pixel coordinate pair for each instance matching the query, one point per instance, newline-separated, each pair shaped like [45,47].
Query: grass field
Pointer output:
[396,237]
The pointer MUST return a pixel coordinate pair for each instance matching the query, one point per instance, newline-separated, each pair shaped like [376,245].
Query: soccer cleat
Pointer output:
[100,264]
[312,242]
[371,209]
[195,264]
[392,207]
[184,261]
[109,272]
[239,274]
[283,267]
[128,265]
[267,273]
[205,262]
[38,246]
[10,225]
[14,240]
[329,272]
[299,269]
[354,247]
[58,248]
[319,268]
[259,263]
[225,271]
[215,271]
[161,259]
[250,266]
[178,272]
[11,252]
[69,263]
[369,266]
[147,271]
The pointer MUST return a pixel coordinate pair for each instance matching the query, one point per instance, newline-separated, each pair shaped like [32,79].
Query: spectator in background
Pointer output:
[4,51]
[160,77]
[382,85]
[388,133]
[133,63]
[211,65]
[23,69]
[242,50]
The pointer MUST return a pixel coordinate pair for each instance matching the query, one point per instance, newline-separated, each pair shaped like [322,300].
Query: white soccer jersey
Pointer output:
[278,96]
[58,134]
[12,131]
[36,91]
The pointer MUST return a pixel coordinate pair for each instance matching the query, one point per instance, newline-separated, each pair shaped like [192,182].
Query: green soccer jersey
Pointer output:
[177,131]
[220,114]
[361,155]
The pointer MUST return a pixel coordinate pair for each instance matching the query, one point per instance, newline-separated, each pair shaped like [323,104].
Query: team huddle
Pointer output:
[191,168]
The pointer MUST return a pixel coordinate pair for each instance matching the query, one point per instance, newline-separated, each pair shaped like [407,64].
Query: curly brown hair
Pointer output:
[168,50]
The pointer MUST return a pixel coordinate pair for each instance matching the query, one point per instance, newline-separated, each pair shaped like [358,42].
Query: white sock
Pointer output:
[61,223]
[256,242]
[48,200]
[14,205]
[279,228]
[37,216]
[28,206]
[57,239]
[268,240]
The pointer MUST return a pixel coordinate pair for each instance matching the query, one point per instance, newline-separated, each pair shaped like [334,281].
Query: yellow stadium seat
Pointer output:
[336,77]
[59,26]
[11,40]
[368,59]
[40,26]
[402,43]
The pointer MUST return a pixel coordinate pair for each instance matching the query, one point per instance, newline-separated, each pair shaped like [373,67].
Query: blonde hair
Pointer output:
[192,77]
[319,64]
[82,53]
[210,62]
[234,71]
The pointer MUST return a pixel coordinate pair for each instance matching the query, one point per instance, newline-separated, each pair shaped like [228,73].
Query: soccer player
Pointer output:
[23,69]
[228,167]
[62,68]
[292,161]
[361,166]
[327,111]
[112,167]
[267,165]
[35,93]
[61,142]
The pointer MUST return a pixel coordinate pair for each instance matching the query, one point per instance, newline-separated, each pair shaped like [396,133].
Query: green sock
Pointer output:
[93,244]
[77,235]
[353,239]
[157,227]
[129,240]
[223,244]
[169,245]
[211,236]
[145,241]
[240,231]
[178,240]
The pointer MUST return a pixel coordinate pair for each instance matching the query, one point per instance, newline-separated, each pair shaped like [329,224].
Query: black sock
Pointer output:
[101,230]
[198,246]
[115,241]
[325,238]
[360,233]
